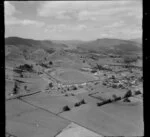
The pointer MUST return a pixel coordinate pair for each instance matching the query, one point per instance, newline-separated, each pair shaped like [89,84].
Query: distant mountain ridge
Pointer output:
[46,44]
[107,45]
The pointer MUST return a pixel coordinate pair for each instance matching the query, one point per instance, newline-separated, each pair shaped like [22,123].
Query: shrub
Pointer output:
[100,103]
[82,101]
[74,88]
[128,94]
[77,104]
[108,101]
[126,100]
[50,63]
[114,97]
[26,67]
[104,84]
[50,85]
[15,89]
[137,92]
[128,60]
[66,108]
[114,86]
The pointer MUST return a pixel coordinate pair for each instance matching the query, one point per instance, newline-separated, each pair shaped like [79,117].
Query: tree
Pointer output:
[50,85]
[66,108]
[126,100]
[114,97]
[25,67]
[128,60]
[128,94]
[82,101]
[50,63]
[15,89]
[137,92]
[77,104]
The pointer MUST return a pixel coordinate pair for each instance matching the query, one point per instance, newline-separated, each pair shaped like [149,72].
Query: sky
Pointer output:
[73,20]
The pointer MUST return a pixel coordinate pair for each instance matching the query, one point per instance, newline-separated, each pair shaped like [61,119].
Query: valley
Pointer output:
[57,91]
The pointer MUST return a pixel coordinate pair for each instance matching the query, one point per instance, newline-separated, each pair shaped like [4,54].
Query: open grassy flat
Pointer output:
[37,123]
[9,85]
[15,107]
[51,103]
[73,76]
[74,130]
[130,112]
[107,93]
[102,122]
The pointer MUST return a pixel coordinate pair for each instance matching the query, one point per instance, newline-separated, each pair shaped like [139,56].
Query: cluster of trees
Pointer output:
[66,108]
[15,89]
[115,98]
[129,60]
[24,67]
[46,65]
[80,103]
[100,67]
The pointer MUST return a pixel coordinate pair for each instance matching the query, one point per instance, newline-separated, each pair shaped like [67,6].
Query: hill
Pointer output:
[106,45]
[33,44]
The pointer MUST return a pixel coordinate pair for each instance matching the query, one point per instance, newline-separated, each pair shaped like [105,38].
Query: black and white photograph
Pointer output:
[73,68]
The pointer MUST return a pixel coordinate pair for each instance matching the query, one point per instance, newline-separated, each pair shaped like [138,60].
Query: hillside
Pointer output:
[33,44]
[110,46]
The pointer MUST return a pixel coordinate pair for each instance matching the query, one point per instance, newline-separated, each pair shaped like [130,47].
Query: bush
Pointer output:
[114,86]
[50,63]
[137,92]
[128,94]
[77,104]
[50,85]
[126,100]
[66,95]
[100,104]
[114,97]
[128,60]
[66,108]
[82,101]
[104,84]
[25,67]
[15,89]
[93,71]
[74,88]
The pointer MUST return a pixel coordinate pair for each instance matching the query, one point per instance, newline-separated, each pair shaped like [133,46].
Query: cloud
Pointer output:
[65,27]
[87,10]
[9,9]
[10,19]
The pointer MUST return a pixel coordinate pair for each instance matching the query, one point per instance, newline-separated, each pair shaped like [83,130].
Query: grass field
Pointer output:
[37,123]
[74,130]
[9,85]
[52,103]
[102,122]
[73,76]
[130,112]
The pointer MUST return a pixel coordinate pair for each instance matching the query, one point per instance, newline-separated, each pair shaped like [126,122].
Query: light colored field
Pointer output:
[33,84]
[129,112]
[73,76]
[102,122]
[74,130]
[88,99]
[107,93]
[9,85]
[16,107]
[52,103]
[37,123]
